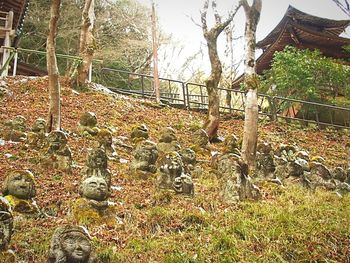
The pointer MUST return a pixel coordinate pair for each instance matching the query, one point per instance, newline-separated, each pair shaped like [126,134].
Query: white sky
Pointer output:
[174,18]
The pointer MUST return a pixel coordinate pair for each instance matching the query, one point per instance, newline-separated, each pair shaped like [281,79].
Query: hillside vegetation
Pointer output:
[289,224]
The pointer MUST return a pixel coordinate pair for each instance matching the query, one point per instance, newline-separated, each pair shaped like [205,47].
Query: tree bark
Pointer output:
[54,118]
[250,132]
[211,125]
[155,55]
[87,44]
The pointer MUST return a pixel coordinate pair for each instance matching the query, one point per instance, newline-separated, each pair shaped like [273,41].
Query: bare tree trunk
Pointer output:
[87,42]
[155,55]
[54,118]
[250,133]
[211,125]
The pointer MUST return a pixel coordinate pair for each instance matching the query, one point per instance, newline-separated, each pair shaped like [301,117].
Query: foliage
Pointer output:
[306,75]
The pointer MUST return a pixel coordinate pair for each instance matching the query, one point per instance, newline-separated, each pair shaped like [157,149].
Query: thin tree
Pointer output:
[211,125]
[54,118]
[250,133]
[155,55]
[87,43]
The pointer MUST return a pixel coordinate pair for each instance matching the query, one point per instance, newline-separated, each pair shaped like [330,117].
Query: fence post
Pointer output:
[14,71]
[183,93]
[142,86]
[273,110]
[90,73]
[188,97]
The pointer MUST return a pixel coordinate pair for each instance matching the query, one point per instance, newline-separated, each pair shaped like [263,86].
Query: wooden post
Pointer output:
[155,55]
[14,71]
[7,43]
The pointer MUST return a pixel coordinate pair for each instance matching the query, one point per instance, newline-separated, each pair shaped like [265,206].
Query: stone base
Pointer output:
[22,206]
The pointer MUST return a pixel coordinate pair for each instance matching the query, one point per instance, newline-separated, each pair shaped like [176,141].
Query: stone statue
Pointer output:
[183,185]
[58,155]
[14,130]
[319,176]
[97,165]
[235,182]
[265,160]
[6,230]
[231,144]
[168,141]
[145,157]
[36,139]
[93,206]
[286,151]
[139,133]
[189,159]
[71,244]
[105,140]
[201,138]
[87,124]
[19,190]
[171,167]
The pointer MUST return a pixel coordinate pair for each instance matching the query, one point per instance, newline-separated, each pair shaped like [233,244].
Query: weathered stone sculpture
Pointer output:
[93,206]
[58,155]
[145,157]
[171,167]
[235,182]
[19,190]
[265,160]
[36,139]
[201,139]
[168,141]
[15,129]
[319,176]
[139,133]
[6,230]
[184,185]
[231,144]
[105,140]
[71,244]
[97,165]
[286,151]
[188,158]
[87,124]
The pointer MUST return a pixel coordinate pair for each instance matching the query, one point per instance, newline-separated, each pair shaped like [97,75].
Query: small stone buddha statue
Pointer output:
[6,230]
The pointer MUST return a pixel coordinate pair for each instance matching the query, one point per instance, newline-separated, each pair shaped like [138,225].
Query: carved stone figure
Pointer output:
[59,155]
[87,124]
[201,138]
[339,174]
[168,141]
[139,133]
[235,182]
[265,160]
[231,144]
[188,158]
[286,151]
[184,185]
[71,244]
[145,157]
[14,130]
[171,167]
[19,190]
[93,207]
[36,139]
[105,140]
[6,230]
[319,176]
[97,165]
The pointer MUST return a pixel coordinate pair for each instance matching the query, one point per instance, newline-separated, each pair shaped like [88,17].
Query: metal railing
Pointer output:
[194,96]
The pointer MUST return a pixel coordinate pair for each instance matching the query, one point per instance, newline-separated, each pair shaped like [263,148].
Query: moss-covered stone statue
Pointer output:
[96,165]
[19,191]
[6,230]
[87,124]
[36,138]
[189,159]
[93,206]
[105,140]
[139,133]
[15,130]
[265,160]
[231,144]
[168,141]
[172,175]
[58,155]
[145,157]
[201,139]
[71,244]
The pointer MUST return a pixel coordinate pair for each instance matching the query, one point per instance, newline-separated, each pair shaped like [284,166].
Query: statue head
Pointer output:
[139,131]
[188,156]
[264,148]
[167,135]
[21,184]
[6,224]
[56,140]
[19,123]
[146,151]
[172,163]
[88,119]
[104,137]
[94,188]
[231,143]
[70,244]
[39,125]
[97,158]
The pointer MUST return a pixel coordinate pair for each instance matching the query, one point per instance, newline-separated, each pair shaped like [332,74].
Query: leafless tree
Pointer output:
[211,35]
[250,133]
[343,5]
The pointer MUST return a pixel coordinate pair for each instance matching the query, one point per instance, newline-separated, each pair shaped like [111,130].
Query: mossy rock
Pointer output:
[22,206]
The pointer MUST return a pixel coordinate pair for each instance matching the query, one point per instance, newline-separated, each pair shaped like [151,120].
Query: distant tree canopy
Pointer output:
[306,75]
[122,32]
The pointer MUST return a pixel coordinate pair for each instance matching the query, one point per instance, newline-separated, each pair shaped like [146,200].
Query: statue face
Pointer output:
[168,135]
[95,188]
[6,225]
[188,156]
[88,119]
[21,185]
[76,247]
[97,159]
[19,123]
[39,125]
[173,164]
[147,152]
[57,139]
